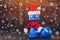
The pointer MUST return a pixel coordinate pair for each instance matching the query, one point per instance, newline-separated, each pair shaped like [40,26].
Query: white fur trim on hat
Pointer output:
[33,12]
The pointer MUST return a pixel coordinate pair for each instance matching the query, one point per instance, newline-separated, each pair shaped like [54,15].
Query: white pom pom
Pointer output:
[38,8]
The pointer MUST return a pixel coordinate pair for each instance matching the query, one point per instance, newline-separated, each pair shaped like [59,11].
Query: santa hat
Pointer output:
[34,9]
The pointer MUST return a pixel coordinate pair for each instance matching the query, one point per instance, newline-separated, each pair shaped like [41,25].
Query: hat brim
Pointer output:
[33,12]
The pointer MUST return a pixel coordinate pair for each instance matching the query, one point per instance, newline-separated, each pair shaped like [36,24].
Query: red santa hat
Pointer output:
[34,9]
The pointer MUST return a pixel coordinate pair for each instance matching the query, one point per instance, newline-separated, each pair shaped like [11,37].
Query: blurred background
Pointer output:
[14,17]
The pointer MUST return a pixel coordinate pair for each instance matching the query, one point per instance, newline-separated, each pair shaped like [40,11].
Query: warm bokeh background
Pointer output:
[14,15]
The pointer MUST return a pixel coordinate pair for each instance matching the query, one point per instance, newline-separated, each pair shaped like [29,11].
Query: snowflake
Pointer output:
[11,9]
[26,1]
[11,30]
[43,9]
[20,38]
[55,18]
[30,2]
[57,24]
[1,39]
[11,25]
[17,30]
[0,11]
[16,18]
[46,2]
[26,15]
[51,20]
[20,4]
[47,16]
[1,5]
[44,16]
[54,29]
[56,4]
[59,2]
[7,2]
[0,0]
[6,18]
[56,7]
[21,22]
[43,22]
[23,37]
[2,27]
[26,9]
[52,36]
[3,21]
[6,10]
[4,14]
[27,39]
[5,6]
[21,14]
[15,7]
[51,4]
[57,32]
[53,13]
[41,0]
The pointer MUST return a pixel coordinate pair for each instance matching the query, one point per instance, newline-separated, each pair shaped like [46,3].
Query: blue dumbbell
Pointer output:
[46,32]
[33,33]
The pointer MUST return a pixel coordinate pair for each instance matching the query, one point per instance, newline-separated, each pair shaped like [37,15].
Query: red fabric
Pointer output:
[33,7]
[33,24]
